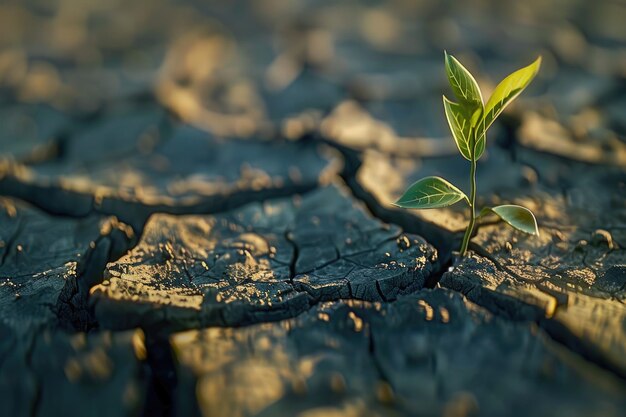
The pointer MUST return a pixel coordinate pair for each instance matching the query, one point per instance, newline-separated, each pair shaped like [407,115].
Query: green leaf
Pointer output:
[479,139]
[506,92]
[463,85]
[479,145]
[430,192]
[517,216]
[460,125]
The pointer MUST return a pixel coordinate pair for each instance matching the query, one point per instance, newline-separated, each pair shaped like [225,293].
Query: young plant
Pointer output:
[469,120]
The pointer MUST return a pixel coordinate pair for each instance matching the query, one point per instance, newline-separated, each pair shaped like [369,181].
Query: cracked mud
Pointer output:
[262,262]
[196,218]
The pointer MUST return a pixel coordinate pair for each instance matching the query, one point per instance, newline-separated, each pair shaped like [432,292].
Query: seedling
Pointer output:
[469,120]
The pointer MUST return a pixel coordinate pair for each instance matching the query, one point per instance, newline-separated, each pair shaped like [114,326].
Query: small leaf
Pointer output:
[460,125]
[430,192]
[463,84]
[517,216]
[505,92]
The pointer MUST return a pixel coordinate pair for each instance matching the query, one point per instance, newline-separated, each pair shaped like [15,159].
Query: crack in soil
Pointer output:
[443,241]
[294,257]
[73,310]
[162,376]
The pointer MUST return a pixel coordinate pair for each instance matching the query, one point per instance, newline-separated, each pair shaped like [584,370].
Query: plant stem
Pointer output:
[470,226]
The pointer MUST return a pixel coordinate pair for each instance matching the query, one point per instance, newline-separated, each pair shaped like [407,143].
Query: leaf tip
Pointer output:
[447,59]
[537,64]
[536,226]
[536,231]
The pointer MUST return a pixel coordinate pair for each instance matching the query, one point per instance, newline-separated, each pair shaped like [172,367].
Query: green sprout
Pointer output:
[469,120]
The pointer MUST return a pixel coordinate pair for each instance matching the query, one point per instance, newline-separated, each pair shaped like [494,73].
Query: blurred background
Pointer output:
[269,67]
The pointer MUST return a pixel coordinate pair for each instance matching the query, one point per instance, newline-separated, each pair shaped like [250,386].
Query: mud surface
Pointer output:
[196,218]
[262,262]
[428,353]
